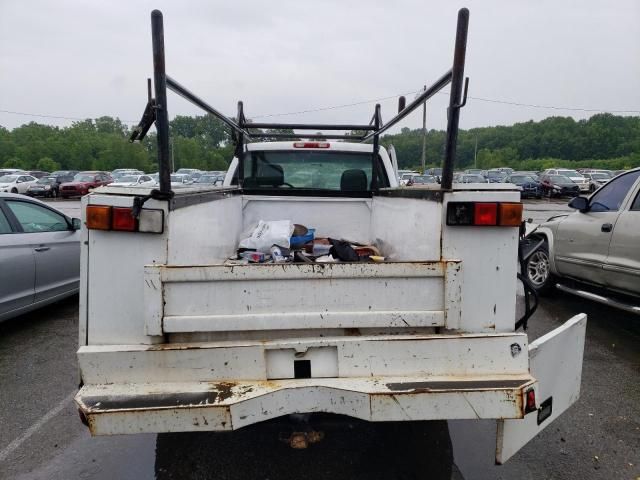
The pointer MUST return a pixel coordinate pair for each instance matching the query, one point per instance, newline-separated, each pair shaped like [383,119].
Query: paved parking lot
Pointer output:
[42,437]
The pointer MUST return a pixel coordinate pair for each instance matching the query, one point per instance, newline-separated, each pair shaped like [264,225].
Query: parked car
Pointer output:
[558,186]
[436,172]
[193,173]
[494,176]
[580,180]
[597,244]
[210,179]
[64,173]
[469,178]
[406,176]
[44,187]
[475,171]
[37,173]
[134,181]
[16,183]
[596,179]
[531,188]
[422,180]
[180,180]
[83,183]
[39,254]
[11,171]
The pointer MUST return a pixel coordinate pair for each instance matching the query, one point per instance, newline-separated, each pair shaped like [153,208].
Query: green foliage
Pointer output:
[15,162]
[47,164]
[602,141]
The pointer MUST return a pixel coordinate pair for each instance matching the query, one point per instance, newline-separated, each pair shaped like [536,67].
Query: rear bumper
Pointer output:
[219,406]
[230,384]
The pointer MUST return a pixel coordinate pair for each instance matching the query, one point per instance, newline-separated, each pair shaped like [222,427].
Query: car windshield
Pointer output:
[560,179]
[128,179]
[407,176]
[177,178]
[495,174]
[600,176]
[83,178]
[521,178]
[308,169]
[569,173]
[46,180]
[8,178]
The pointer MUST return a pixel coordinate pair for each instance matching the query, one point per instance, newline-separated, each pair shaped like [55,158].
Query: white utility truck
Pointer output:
[185,339]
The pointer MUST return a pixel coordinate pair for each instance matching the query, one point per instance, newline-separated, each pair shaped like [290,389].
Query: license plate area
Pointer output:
[315,362]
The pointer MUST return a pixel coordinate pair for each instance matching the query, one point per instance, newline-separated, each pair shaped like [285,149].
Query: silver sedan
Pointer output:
[39,255]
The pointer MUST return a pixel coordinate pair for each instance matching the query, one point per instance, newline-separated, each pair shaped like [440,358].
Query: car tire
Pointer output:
[538,270]
[14,190]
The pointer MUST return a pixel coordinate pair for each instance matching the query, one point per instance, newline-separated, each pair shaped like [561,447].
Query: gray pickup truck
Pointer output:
[595,246]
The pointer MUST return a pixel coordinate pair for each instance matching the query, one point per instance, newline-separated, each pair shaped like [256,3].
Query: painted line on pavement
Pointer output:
[15,444]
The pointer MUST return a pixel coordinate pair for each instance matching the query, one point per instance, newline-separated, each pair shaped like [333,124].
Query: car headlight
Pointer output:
[556,187]
[47,187]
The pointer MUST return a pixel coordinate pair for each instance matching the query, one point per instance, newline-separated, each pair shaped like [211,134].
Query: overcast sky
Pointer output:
[85,59]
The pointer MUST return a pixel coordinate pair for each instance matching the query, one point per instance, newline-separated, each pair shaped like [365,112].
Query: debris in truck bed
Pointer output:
[282,241]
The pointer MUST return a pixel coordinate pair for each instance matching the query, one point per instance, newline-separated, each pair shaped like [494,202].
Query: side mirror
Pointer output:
[76,223]
[580,203]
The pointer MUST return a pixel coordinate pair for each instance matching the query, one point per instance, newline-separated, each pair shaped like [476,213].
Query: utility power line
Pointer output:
[363,102]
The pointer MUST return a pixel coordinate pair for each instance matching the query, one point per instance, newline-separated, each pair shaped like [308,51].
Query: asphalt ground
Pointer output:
[41,435]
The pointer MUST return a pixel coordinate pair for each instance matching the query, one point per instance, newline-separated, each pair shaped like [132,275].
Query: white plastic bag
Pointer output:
[266,234]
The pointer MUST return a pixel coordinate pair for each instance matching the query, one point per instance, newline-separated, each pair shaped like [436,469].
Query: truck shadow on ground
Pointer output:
[351,449]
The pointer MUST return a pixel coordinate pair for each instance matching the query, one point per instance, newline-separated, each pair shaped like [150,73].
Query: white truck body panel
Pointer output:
[181,341]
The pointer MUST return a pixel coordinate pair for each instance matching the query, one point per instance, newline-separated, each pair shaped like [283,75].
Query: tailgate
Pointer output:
[555,360]
[301,296]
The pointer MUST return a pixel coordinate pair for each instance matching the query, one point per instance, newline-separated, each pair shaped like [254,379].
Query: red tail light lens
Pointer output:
[123,220]
[485,214]
[530,401]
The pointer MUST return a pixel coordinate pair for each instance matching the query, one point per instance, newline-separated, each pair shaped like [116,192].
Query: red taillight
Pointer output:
[311,145]
[530,399]
[104,217]
[123,220]
[485,214]
[488,214]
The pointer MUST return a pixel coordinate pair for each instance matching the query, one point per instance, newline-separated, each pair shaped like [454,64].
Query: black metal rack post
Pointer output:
[453,112]
[162,115]
[156,111]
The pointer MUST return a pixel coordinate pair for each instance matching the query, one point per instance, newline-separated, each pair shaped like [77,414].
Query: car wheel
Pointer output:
[538,270]
[14,190]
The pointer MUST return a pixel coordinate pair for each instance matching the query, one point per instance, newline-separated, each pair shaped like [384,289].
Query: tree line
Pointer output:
[602,141]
